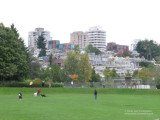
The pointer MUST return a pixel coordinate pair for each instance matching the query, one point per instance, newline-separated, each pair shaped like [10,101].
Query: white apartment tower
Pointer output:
[33,36]
[97,38]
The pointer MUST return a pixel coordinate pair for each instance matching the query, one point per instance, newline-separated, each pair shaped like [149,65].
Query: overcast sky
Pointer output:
[123,20]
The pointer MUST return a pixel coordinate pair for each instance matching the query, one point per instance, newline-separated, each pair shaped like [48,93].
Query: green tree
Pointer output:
[34,67]
[113,73]
[76,49]
[78,64]
[95,77]
[128,74]
[91,49]
[144,64]
[55,73]
[41,44]
[50,59]
[135,73]
[84,68]
[13,58]
[110,74]
[46,74]
[148,48]
[71,64]
[106,73]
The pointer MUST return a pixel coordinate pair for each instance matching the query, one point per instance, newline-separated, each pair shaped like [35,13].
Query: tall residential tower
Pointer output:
[33,37]
[97,38]
[79,38]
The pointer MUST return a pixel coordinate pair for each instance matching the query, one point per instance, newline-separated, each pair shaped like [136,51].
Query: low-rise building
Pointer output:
[112,46]
[120,64]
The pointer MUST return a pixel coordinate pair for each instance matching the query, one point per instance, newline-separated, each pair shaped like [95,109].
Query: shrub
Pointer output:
[36,83]
[14,84]
[158,86]
[54,85]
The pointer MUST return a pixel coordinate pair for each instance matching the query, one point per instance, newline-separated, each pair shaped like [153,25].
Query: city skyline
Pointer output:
[122,20]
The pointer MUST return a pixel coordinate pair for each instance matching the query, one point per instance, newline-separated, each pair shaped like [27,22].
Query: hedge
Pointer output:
[158,86]
[26,84]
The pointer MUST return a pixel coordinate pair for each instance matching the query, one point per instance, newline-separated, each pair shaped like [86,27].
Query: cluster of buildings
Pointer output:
[95,36]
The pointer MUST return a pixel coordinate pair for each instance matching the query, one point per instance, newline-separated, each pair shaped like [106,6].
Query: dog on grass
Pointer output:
[43,95]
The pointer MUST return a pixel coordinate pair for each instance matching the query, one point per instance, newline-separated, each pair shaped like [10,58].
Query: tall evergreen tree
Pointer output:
[41,44]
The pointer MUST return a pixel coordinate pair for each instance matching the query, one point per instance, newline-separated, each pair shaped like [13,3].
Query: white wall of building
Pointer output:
[97,38]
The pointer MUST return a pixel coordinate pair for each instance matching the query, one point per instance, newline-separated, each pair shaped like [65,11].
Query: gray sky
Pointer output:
[123,20]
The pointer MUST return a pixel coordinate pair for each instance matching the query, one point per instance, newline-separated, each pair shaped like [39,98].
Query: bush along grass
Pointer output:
[26,84]
[158,86]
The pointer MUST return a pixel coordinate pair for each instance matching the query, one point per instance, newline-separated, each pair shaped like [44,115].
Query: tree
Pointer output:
[113,73]
[84,68]
[128,74]
[148,48]
[13,58]
[46,74]
[91,49]
[55,73]
[144,74]
[76,49]
[135,73]
[41,44]
[95,77]
[50,59]
[106,73]
[126,53]
[110,74]
[34,67]
[71,63]
[78,64]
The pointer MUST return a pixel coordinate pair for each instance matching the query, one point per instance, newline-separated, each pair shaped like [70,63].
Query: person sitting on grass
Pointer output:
[38,92]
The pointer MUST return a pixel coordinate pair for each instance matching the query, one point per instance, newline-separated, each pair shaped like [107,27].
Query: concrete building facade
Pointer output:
[33,37]
[79,38]
[116,47]
[97,38]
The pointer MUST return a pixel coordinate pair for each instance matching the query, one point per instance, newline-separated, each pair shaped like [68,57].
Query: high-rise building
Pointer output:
[79,38]
[97,38]
[33,37]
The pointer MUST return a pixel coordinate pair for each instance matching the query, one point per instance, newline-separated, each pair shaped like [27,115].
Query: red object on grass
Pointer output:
[38,91]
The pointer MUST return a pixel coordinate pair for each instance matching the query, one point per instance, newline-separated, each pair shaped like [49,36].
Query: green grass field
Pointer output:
[79,104]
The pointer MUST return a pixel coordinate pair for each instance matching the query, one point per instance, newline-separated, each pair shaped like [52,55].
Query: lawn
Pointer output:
[79,104]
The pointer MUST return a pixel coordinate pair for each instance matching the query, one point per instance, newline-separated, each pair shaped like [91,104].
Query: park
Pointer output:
[79,104]
[48,87]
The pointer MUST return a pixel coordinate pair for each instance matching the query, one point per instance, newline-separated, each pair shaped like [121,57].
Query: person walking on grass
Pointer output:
[95,94]
[20,96]
[49,84]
